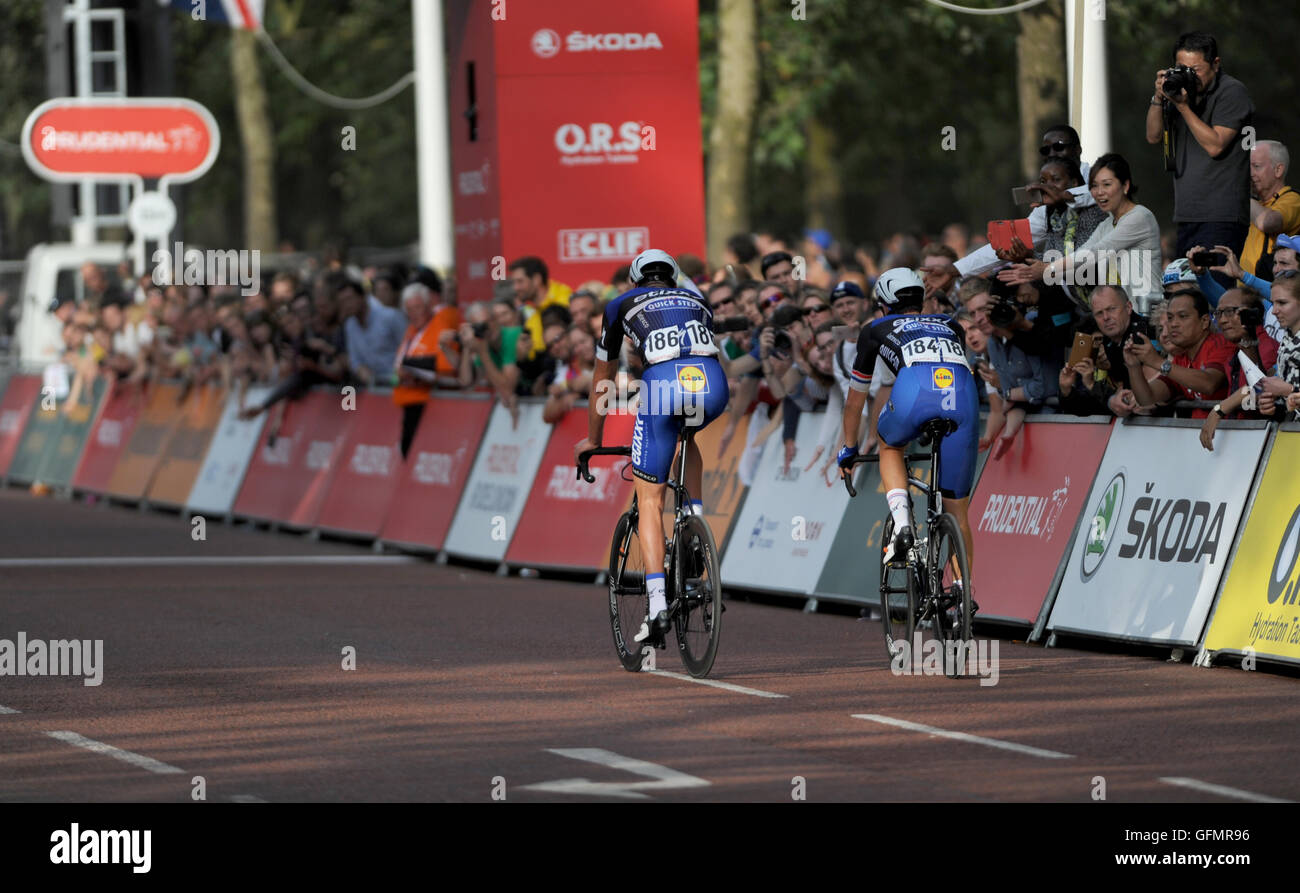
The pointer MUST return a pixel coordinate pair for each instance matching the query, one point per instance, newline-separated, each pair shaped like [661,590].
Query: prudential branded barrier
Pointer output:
[1157,530]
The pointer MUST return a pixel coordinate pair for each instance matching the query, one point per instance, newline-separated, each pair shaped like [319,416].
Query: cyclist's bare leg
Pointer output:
[650,523]
[893,471]
[960,508]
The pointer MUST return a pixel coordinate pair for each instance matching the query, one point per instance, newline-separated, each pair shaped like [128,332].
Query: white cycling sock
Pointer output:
[654,584]
[898,507]
[697,506]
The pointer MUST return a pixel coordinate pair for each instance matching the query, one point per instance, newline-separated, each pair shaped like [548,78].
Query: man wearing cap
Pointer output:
[1274,207]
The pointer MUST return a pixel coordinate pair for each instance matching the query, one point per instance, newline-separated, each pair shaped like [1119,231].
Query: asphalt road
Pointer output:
[467,686]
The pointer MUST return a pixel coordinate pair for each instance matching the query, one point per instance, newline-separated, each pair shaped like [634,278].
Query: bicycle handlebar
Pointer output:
[584,473]
[875,457]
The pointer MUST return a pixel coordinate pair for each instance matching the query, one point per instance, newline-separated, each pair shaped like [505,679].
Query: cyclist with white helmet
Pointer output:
[671,327]
[922,361]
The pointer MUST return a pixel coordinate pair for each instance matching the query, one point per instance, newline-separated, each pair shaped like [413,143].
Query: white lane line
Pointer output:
[963,736]
[4,709]
[739,689]
[138,760]
[185,561]
[661,777]
[245,798]
[1222,791]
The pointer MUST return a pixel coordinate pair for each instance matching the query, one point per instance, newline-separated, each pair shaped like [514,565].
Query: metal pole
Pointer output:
[433,155]
[1085,44]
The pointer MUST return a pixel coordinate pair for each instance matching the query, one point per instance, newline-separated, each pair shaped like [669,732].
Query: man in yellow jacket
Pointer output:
[534,290]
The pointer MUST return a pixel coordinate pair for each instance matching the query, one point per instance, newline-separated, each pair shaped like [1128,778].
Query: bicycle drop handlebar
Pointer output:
[875,457]
[584,473]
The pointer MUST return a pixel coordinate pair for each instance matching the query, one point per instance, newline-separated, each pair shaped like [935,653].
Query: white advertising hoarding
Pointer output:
[1156,533]
[499,483]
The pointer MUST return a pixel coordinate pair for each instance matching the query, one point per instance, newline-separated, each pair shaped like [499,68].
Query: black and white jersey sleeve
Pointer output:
[906,340]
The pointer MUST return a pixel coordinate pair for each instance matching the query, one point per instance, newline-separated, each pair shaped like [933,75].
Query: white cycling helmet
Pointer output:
[893,288]
[653,257]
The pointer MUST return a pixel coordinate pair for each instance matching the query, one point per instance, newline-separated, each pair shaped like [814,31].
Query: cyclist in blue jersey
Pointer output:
[683,384]
[921,361]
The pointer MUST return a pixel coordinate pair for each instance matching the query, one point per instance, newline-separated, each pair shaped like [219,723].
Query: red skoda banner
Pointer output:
[369,468]
[69,139]
[626,138]
[568,522]
[435,472]
[1024,511]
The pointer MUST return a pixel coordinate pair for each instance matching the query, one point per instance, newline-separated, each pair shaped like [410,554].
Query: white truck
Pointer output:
[53,270]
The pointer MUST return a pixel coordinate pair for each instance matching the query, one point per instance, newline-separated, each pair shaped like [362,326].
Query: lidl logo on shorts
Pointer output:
[693,380]
[942,378]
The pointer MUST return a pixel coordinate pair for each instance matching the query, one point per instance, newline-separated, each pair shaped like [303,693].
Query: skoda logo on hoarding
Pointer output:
[1101,527]
[546,43]
[1286,572]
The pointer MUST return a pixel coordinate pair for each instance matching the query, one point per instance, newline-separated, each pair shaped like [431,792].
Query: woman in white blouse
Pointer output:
[1124,249]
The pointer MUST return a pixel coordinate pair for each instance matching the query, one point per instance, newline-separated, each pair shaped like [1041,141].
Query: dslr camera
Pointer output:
[480,330]
[1179,78]
[1005,307]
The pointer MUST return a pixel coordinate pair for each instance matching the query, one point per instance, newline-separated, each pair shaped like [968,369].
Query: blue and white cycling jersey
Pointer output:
[663,323]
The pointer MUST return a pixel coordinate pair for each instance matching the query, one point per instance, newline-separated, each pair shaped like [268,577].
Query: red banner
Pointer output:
[369,469]
[1024,511]
[626,135]
[568,522]
[19,396]
[435,472]
[67,139]
[122,406]
[287,479]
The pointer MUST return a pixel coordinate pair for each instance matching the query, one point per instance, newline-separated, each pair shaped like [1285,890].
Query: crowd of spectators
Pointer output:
[1101,314]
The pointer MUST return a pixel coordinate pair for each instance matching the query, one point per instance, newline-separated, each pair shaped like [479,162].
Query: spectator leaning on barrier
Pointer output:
[1240,317]
[423,359]
[1274,206]
[1203,118]
[1100,384]
[373,333]
[1200,361]
[489,353]
[1279,396]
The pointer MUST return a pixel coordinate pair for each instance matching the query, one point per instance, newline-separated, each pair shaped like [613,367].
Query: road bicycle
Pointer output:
[692,580]
[920,590]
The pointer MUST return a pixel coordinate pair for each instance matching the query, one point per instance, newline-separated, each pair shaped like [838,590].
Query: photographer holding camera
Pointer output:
[1198,113]
[1099,383]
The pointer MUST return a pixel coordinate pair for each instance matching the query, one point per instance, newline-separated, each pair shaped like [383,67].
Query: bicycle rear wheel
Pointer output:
[897,599]
[950,581]
[628,601]
[697,585]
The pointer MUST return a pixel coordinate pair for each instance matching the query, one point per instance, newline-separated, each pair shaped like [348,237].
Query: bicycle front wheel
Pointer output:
[950,582]
[628,601]
[897,599]
[697,585]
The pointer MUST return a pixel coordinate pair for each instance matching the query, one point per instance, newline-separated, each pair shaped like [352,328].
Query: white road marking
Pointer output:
[189,560]
[138,760]
[4,709]
[1222,791]
[246,798]
[963,736]
[740,689]
[662,778]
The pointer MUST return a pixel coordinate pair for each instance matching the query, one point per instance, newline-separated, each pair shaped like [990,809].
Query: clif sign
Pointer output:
[116,139]
[603,244]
